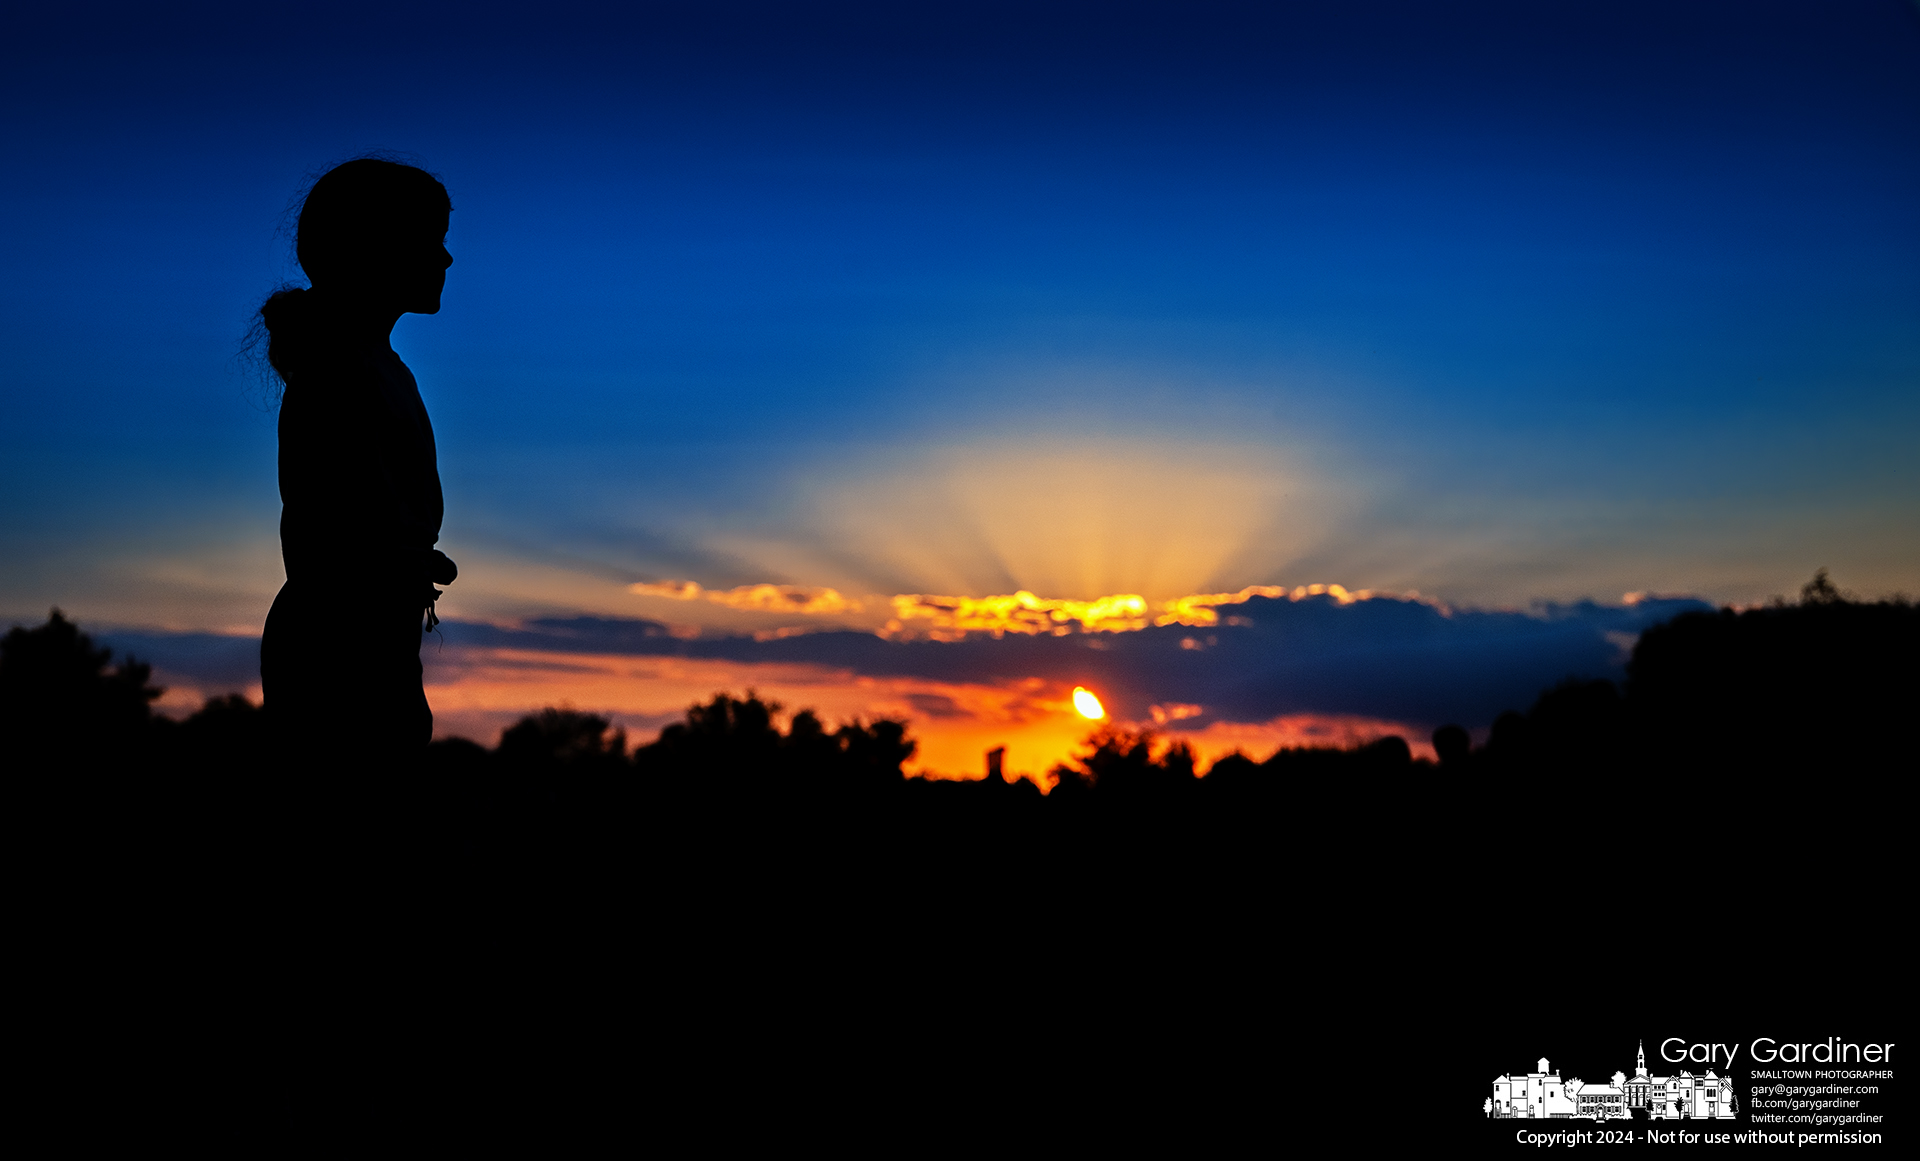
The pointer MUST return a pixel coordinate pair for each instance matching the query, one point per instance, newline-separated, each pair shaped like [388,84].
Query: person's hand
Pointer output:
[440,569]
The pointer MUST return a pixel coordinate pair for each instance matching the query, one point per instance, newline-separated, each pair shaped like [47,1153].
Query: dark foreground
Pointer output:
[738,930]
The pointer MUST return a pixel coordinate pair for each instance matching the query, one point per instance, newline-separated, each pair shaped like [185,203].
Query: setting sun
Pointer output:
[1087,704]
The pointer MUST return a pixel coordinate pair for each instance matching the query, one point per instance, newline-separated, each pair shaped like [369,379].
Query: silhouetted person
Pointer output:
[359,486]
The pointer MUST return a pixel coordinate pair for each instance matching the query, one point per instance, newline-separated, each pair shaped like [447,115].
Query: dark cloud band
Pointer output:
[1385,657]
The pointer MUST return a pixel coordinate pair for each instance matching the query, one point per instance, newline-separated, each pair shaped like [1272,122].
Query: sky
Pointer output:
[779,338]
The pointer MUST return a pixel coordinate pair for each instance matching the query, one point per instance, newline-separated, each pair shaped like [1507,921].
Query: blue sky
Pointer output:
[1502,303]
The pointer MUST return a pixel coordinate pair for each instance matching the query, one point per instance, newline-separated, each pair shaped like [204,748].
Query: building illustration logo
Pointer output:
[1543,1095]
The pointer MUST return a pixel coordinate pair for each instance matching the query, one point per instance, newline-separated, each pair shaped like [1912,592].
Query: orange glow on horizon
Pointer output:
[1087,705]
[478,692]
[1296,731]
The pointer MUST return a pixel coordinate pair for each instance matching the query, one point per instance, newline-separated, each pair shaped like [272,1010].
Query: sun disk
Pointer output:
[1088,705]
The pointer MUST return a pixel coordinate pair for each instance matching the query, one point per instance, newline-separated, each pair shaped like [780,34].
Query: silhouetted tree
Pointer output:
[1453,746]
[1388,754]
[870,756]
[1120,764]
[1232,768]
[226,735]
[731,750]
[1824,686]
[63,705]
[563,739]
[1575,727]
[728,738]
[1820,590]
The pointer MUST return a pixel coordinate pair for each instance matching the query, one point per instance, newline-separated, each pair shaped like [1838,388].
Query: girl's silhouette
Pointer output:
[359,486]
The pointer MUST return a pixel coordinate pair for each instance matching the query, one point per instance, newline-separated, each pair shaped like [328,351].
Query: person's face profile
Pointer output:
[401,269]
[420,275]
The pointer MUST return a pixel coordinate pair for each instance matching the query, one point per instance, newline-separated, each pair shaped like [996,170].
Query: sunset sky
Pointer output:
[1378,351]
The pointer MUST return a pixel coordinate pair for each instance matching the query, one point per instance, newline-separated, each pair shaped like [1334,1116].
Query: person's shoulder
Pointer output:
[338,390]
[389,364]
[340,374]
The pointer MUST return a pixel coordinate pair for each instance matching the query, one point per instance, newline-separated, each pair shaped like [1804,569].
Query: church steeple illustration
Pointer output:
[1541,1094]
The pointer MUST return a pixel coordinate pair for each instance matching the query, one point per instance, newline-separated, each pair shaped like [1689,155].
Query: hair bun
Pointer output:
[287,316]
[284,310]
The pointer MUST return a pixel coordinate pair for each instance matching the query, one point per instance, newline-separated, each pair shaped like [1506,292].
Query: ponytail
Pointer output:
[287,316]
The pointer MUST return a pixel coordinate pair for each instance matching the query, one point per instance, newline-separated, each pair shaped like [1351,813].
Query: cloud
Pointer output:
[951,618]
[761,598]
[1173,712]
[936,705]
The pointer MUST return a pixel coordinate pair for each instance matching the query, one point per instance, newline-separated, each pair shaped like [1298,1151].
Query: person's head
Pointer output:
[371,236]
[375,231]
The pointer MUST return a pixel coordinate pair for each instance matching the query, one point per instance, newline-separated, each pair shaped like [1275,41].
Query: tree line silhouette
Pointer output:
[1822,683]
